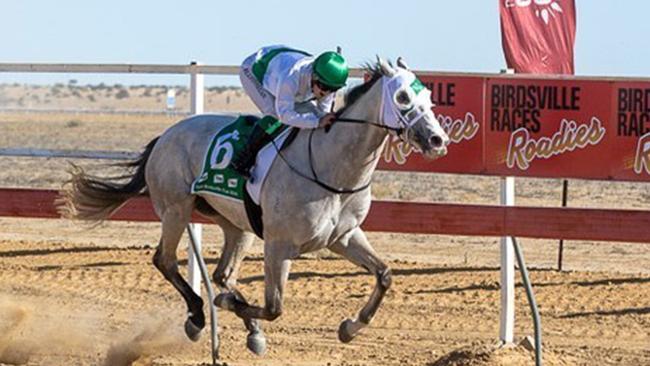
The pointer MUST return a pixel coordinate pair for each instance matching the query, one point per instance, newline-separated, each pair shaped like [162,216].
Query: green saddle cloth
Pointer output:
[217,177]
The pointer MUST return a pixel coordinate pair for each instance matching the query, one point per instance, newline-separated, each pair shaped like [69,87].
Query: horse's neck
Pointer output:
[347,156]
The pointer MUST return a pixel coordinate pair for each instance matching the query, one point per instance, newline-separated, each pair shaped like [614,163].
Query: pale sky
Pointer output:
[451,35]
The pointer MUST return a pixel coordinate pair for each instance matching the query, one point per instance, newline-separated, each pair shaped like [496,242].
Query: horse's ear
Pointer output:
[386,68]
[401,63]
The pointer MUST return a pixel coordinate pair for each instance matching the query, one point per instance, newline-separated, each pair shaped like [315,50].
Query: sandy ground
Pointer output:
[74,296]
[72,304]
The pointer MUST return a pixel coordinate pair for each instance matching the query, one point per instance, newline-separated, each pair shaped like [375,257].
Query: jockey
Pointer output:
[288,86]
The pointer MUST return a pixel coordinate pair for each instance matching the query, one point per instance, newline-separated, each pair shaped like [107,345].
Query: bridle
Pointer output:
[399,131]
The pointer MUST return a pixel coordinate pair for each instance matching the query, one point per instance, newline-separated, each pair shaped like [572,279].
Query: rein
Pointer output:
[315,178]
[398,131]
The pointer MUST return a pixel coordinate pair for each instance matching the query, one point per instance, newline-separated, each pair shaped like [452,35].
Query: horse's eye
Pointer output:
[402,98]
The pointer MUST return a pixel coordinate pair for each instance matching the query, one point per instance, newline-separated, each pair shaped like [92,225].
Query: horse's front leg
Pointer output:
[236,244]
[277,262]
[356,248]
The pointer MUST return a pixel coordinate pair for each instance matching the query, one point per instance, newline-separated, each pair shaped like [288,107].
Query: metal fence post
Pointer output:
[565,193]
[196,107]
[507,315]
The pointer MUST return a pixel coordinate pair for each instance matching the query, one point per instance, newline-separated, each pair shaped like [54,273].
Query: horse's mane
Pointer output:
[356,92]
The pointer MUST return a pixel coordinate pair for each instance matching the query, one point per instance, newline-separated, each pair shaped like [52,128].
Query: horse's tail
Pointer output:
[88,197]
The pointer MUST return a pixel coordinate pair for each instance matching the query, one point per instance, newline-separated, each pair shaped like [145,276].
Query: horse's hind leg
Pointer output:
[356,248]
[174,221]
[237,243]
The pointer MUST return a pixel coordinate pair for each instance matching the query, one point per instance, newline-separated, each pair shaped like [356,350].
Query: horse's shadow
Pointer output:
[50,251]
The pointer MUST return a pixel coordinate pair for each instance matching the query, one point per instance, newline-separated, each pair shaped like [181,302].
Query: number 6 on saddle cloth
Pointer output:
[263,132]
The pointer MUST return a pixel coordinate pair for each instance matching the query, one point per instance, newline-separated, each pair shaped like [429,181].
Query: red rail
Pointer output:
[411,217]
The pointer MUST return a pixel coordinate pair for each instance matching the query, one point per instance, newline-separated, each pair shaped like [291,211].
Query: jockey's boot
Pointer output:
[243,162]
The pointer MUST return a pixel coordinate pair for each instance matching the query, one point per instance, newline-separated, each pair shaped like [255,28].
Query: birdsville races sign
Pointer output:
[539,127]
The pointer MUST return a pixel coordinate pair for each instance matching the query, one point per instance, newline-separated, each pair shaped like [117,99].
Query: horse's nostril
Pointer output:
[435,141]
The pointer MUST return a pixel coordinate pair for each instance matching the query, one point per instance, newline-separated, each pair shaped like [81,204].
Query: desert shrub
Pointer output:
[73,123]
[99,86]
[122,93]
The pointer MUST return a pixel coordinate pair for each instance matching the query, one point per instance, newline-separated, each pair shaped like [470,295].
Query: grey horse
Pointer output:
[309,200]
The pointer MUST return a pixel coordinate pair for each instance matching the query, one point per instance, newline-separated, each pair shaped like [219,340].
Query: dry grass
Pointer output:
[117,97]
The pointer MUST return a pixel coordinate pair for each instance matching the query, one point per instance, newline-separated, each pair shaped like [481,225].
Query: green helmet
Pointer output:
[331,69]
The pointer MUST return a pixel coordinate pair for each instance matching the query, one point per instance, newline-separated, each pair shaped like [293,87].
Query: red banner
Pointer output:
[630,159]
[538,35]
[546,128]
[536,127]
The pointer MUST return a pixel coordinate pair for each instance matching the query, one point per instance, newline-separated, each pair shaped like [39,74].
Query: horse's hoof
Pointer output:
[225,300]
[192,331]
[256,342]
[347,331]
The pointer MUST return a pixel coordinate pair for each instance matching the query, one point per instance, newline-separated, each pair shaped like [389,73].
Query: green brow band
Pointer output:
[417,86]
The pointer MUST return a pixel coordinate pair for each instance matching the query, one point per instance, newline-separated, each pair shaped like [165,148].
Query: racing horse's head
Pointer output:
[406,104]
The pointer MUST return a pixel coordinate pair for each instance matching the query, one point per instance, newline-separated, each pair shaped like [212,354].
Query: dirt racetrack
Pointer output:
[74,296]
[69,304]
